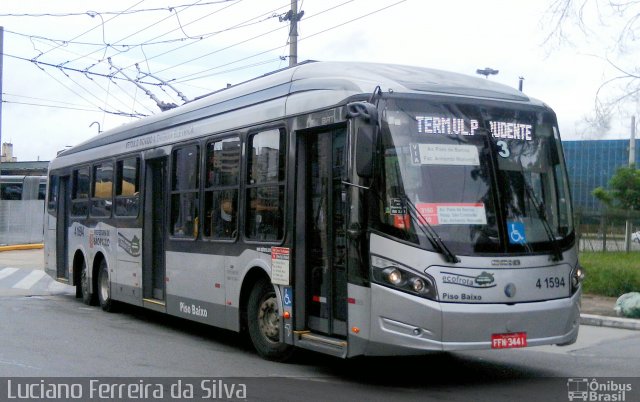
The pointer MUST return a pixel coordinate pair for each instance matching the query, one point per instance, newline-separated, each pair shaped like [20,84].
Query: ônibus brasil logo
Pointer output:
[585,389]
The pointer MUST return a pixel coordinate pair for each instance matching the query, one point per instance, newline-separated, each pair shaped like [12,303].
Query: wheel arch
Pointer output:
[252,277]
[95,269]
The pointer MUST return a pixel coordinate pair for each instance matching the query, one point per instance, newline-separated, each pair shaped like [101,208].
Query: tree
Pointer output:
[611,29]
[624,189]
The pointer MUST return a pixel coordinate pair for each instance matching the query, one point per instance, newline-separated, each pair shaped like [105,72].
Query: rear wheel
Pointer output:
[264,323]
[104,288]
[87,297]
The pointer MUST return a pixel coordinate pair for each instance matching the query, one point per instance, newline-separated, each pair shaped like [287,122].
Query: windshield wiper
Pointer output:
[540,210]
[428,231]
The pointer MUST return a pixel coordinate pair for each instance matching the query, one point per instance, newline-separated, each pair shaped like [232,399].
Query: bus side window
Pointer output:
[265,186]
[11,191]
[80,192]
[42,191]
[221,189]
[102,189]
[53,193]
[127,186]
[184,192]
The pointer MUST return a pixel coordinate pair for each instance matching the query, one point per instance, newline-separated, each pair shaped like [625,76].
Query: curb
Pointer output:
[613,322]
[21,247]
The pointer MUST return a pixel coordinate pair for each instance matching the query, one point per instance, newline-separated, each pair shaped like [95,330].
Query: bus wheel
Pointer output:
[87,297]
[264,323]
[104,290]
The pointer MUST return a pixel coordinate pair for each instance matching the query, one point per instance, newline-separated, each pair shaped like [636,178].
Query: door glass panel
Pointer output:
[326,233]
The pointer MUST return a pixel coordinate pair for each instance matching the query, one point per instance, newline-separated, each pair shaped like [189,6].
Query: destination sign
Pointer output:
[454,126]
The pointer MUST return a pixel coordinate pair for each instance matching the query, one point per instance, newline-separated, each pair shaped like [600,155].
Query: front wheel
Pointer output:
[104,288]
[264,323]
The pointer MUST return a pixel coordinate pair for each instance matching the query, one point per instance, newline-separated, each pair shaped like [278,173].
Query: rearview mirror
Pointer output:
[364,151]
[365,116]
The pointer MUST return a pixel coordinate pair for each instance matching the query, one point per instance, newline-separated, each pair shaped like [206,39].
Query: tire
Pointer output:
[263,320]
[104,289]
[87,297]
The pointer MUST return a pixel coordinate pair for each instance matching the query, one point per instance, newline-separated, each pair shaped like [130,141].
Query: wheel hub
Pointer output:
[269,320]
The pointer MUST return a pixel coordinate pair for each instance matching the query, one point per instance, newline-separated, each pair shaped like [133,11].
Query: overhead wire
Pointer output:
[86,32]
[41,99]
[77,70]
[52,106]
[242,42]
[184,78]
[233,27]
[106,47]
[85,99]
[108,12]
[200,74]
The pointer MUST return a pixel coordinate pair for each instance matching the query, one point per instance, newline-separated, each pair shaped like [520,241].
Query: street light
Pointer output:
[487,71]
[95,122]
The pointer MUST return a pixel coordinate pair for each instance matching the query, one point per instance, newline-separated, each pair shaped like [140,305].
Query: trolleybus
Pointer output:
[346,208]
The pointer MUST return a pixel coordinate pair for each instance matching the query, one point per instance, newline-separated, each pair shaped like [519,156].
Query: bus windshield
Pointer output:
[484,179]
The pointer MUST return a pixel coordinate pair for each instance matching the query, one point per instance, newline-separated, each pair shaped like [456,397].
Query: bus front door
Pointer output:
[153,264]
[62,229]
[325,237]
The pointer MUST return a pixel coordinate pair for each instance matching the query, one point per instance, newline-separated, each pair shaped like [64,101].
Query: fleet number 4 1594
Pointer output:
[550,282]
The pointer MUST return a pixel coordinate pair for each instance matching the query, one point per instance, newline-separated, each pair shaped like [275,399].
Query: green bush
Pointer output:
[611,274]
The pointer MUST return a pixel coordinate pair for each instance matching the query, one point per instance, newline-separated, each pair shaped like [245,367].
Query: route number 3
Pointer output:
[504,149]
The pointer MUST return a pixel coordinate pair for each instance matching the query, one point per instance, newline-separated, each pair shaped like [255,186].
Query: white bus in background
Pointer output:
[346,208]
[22,209]
[22,187]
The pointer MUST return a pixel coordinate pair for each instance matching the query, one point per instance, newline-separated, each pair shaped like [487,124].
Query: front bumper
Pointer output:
[402,324]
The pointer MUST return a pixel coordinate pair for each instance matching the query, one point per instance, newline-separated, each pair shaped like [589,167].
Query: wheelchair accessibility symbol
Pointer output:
[287,297]
[516,232]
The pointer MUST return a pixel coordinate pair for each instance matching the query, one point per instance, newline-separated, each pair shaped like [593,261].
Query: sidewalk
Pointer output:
[596,310]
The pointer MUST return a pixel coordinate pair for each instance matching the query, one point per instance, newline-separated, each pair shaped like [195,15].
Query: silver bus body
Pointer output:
[475,299]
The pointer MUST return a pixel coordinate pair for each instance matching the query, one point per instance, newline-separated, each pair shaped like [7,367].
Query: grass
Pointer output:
[611,274]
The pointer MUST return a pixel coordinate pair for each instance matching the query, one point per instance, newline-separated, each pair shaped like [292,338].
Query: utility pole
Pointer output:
[1,97]
[293,17]
[632,160]
[293,34]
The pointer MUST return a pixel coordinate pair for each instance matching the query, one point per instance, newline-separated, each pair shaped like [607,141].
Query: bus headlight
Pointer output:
[577,276]
[418,285]
[399,277]
[392,275]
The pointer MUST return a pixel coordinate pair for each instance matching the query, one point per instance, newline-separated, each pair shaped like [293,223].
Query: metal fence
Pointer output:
[21,222]
[605,231]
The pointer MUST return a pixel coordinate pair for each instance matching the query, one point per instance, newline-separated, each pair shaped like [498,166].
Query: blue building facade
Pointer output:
[590,164]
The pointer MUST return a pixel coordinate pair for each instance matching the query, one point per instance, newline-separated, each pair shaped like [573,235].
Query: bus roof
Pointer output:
[338,81]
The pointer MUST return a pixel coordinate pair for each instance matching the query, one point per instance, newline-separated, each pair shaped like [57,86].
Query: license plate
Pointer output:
[507,341]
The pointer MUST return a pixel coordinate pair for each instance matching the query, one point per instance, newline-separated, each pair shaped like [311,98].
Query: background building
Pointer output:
[590,164]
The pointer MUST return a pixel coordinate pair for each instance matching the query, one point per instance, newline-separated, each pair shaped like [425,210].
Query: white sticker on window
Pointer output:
[453,213]
[444,154]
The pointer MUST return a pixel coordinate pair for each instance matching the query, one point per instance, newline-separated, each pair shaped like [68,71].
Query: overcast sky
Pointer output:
[201,48]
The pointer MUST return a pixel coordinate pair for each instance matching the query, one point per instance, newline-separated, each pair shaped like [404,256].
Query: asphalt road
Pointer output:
[46,332]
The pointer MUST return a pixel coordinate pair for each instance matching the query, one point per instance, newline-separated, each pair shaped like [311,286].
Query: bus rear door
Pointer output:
[153,233]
